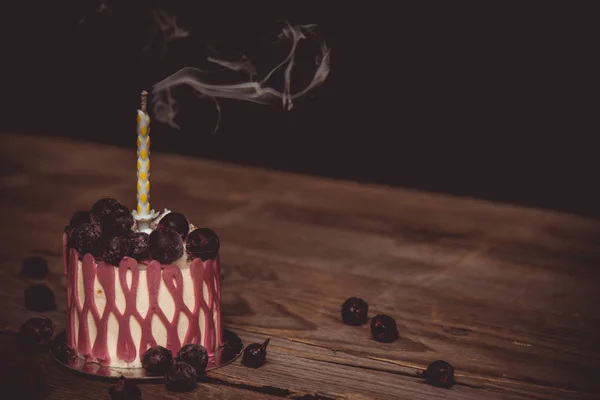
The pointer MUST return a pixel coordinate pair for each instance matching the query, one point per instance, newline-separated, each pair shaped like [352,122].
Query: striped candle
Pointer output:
[143,214]
[143,160]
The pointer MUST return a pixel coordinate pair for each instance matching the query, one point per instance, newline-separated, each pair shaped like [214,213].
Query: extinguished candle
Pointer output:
[143,161]
[143,213]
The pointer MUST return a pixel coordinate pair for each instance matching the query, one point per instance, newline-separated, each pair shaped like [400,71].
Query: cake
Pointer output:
[128,291]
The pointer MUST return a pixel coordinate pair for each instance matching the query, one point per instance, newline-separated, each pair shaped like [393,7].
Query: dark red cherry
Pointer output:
[384,328]
[255,354]
[87,238]
[35,334]
[202,243]
[157,360]
[195,355]
[439,373]
[115,248]
[39,297]
[181,377]
[34,267]
[165,245]
[355,311]
[138,246]
[176,221]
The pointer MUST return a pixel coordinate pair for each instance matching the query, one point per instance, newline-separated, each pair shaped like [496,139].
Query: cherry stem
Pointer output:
[264,345]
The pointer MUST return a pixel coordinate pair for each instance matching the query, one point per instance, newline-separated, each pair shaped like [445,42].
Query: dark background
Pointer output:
[486,99]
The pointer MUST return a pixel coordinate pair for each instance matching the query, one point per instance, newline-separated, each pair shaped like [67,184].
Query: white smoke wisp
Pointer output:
[164,29]
[102,8]
[259,91]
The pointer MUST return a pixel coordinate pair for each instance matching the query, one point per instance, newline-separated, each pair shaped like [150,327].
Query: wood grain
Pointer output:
[508,295]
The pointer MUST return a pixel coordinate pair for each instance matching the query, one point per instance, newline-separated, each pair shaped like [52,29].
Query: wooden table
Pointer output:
[508,295]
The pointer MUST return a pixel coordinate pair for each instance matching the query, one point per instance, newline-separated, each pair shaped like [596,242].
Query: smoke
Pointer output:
[101,8]
[237,78]
[164,29]
[252,89]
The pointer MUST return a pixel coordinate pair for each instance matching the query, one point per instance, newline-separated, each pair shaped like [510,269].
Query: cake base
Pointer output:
[232,348]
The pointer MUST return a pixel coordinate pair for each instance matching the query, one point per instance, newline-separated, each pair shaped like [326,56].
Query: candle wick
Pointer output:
[144,101]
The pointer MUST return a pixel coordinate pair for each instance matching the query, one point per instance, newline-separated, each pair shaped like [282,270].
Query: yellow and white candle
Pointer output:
[143,214]
[143,162]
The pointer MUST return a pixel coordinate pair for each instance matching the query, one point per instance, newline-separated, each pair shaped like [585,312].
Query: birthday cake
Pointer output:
[128,291]
[142,279]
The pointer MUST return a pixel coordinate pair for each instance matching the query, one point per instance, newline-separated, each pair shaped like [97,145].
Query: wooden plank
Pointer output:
[65,384]
[506,294]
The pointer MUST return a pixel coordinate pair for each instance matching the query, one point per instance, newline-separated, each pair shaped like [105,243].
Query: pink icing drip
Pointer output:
[208,271]
[89,271]
[106,279]
[73,305]
[126,350]
[217,268]
[209,324]
[154,275]
[174,284]
[197,273]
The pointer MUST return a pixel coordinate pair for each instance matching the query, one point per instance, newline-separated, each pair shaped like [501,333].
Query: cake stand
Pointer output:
[231,349]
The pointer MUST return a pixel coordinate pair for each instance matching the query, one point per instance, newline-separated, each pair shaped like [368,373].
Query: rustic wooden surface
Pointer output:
[508,295]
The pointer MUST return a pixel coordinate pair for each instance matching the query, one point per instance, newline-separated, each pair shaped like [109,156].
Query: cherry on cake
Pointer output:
[128,291]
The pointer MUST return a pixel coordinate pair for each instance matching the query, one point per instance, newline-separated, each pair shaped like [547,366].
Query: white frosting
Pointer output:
[159,331]
[160,216]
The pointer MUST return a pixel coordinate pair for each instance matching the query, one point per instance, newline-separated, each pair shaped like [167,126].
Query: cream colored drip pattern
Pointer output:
[116,313]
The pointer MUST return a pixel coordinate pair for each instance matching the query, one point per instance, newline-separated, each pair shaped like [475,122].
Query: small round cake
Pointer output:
[128,291]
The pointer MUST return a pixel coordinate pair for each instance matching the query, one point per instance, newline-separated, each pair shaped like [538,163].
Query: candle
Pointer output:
[143,214]
[143,160]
